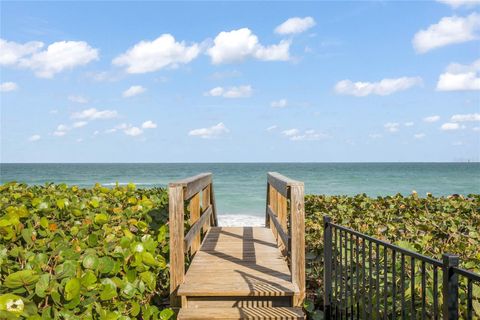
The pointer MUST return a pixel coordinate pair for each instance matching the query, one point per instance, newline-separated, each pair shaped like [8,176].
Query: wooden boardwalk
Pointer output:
[236,272]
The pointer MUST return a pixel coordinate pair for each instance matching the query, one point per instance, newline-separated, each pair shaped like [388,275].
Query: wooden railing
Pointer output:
[284,194]
[196,190]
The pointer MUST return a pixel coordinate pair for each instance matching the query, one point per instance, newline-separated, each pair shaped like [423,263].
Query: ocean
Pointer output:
[240,188]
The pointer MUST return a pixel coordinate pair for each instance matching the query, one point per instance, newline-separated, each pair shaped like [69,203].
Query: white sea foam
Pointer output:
[109,184]
[240,220]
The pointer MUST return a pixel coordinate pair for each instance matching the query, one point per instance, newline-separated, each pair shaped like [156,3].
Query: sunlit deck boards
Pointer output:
[242,313]
[238,261]
[237,272]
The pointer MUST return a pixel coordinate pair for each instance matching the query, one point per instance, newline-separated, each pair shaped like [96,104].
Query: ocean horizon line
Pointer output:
[258,162]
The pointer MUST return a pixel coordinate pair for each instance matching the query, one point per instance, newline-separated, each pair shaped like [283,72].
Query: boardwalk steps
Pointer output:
[236,272]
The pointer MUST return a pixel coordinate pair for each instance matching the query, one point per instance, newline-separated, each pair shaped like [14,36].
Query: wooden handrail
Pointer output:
[281,233]
[196,228]
[282,191]
[193,185]
[201,217]
[281,183]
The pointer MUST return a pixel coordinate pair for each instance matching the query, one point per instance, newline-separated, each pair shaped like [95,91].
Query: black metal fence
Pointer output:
[366,278]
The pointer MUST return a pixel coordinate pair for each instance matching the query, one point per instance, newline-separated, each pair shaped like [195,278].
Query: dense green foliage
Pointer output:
[102,253]
[72,253]
[430,226]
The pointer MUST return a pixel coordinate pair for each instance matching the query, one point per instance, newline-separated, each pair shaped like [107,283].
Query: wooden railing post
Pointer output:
[267,217]
[194,209]
[177,259]
[297,204]
[450,287]
[327,267]
[214,206]
[205,205]
[273,204]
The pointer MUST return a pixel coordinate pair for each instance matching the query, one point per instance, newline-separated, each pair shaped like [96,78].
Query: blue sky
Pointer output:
[235,82]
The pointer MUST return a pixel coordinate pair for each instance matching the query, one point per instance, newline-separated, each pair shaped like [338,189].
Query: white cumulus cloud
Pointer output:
[307,135]
[59,133]
[79,124]
[282,103]
[460,77]
[210,132]
[34,138]
[59,56]
[449,30]
[465,117]
[133,91]
[94,114]
[78,99]
[149,124]
[383,88]
[133,131]
[238,45]
[8,86]
[149,56]
[431,119]
[244,91]
[11,52]
[392,126]
[271,128]
[450,126]
[295,25]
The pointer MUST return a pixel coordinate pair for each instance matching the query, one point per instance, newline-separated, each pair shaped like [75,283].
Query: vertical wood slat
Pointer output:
[282,212]
[297,203]
[267,217]
[177,258]
[282,217]
[214,206]
[194,209]
[273,204]
[205,205]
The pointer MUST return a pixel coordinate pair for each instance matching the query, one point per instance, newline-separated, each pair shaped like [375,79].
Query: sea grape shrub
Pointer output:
[75,253]
[427,225]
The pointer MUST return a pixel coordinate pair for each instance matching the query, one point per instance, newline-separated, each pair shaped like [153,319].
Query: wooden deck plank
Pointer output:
[262,313]
[238,261]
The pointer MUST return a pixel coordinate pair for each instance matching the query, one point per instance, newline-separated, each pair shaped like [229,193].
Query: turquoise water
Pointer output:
[240,187]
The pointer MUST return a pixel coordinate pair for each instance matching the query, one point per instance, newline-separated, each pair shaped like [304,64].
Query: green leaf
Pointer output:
[42,285]
[90,262]
[128,290]
[72,289]
[11,303]
[44,222]
[149,279]
[308,305]
[166,314]
[88,279]
[148,259]
[109,290]
[105,265]
[21,279]
[101,218]
[61,203]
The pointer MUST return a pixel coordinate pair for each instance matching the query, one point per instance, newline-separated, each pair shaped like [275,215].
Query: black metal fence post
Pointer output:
[450,287]
[327,268]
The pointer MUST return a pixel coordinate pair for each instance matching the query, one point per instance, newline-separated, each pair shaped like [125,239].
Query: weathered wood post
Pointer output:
[205,205]
[297,204]
[450,287]
[267,217]
[194,209]
[177,258]
[327,268]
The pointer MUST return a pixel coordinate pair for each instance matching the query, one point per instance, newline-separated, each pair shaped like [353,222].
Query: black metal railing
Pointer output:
[366,278]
